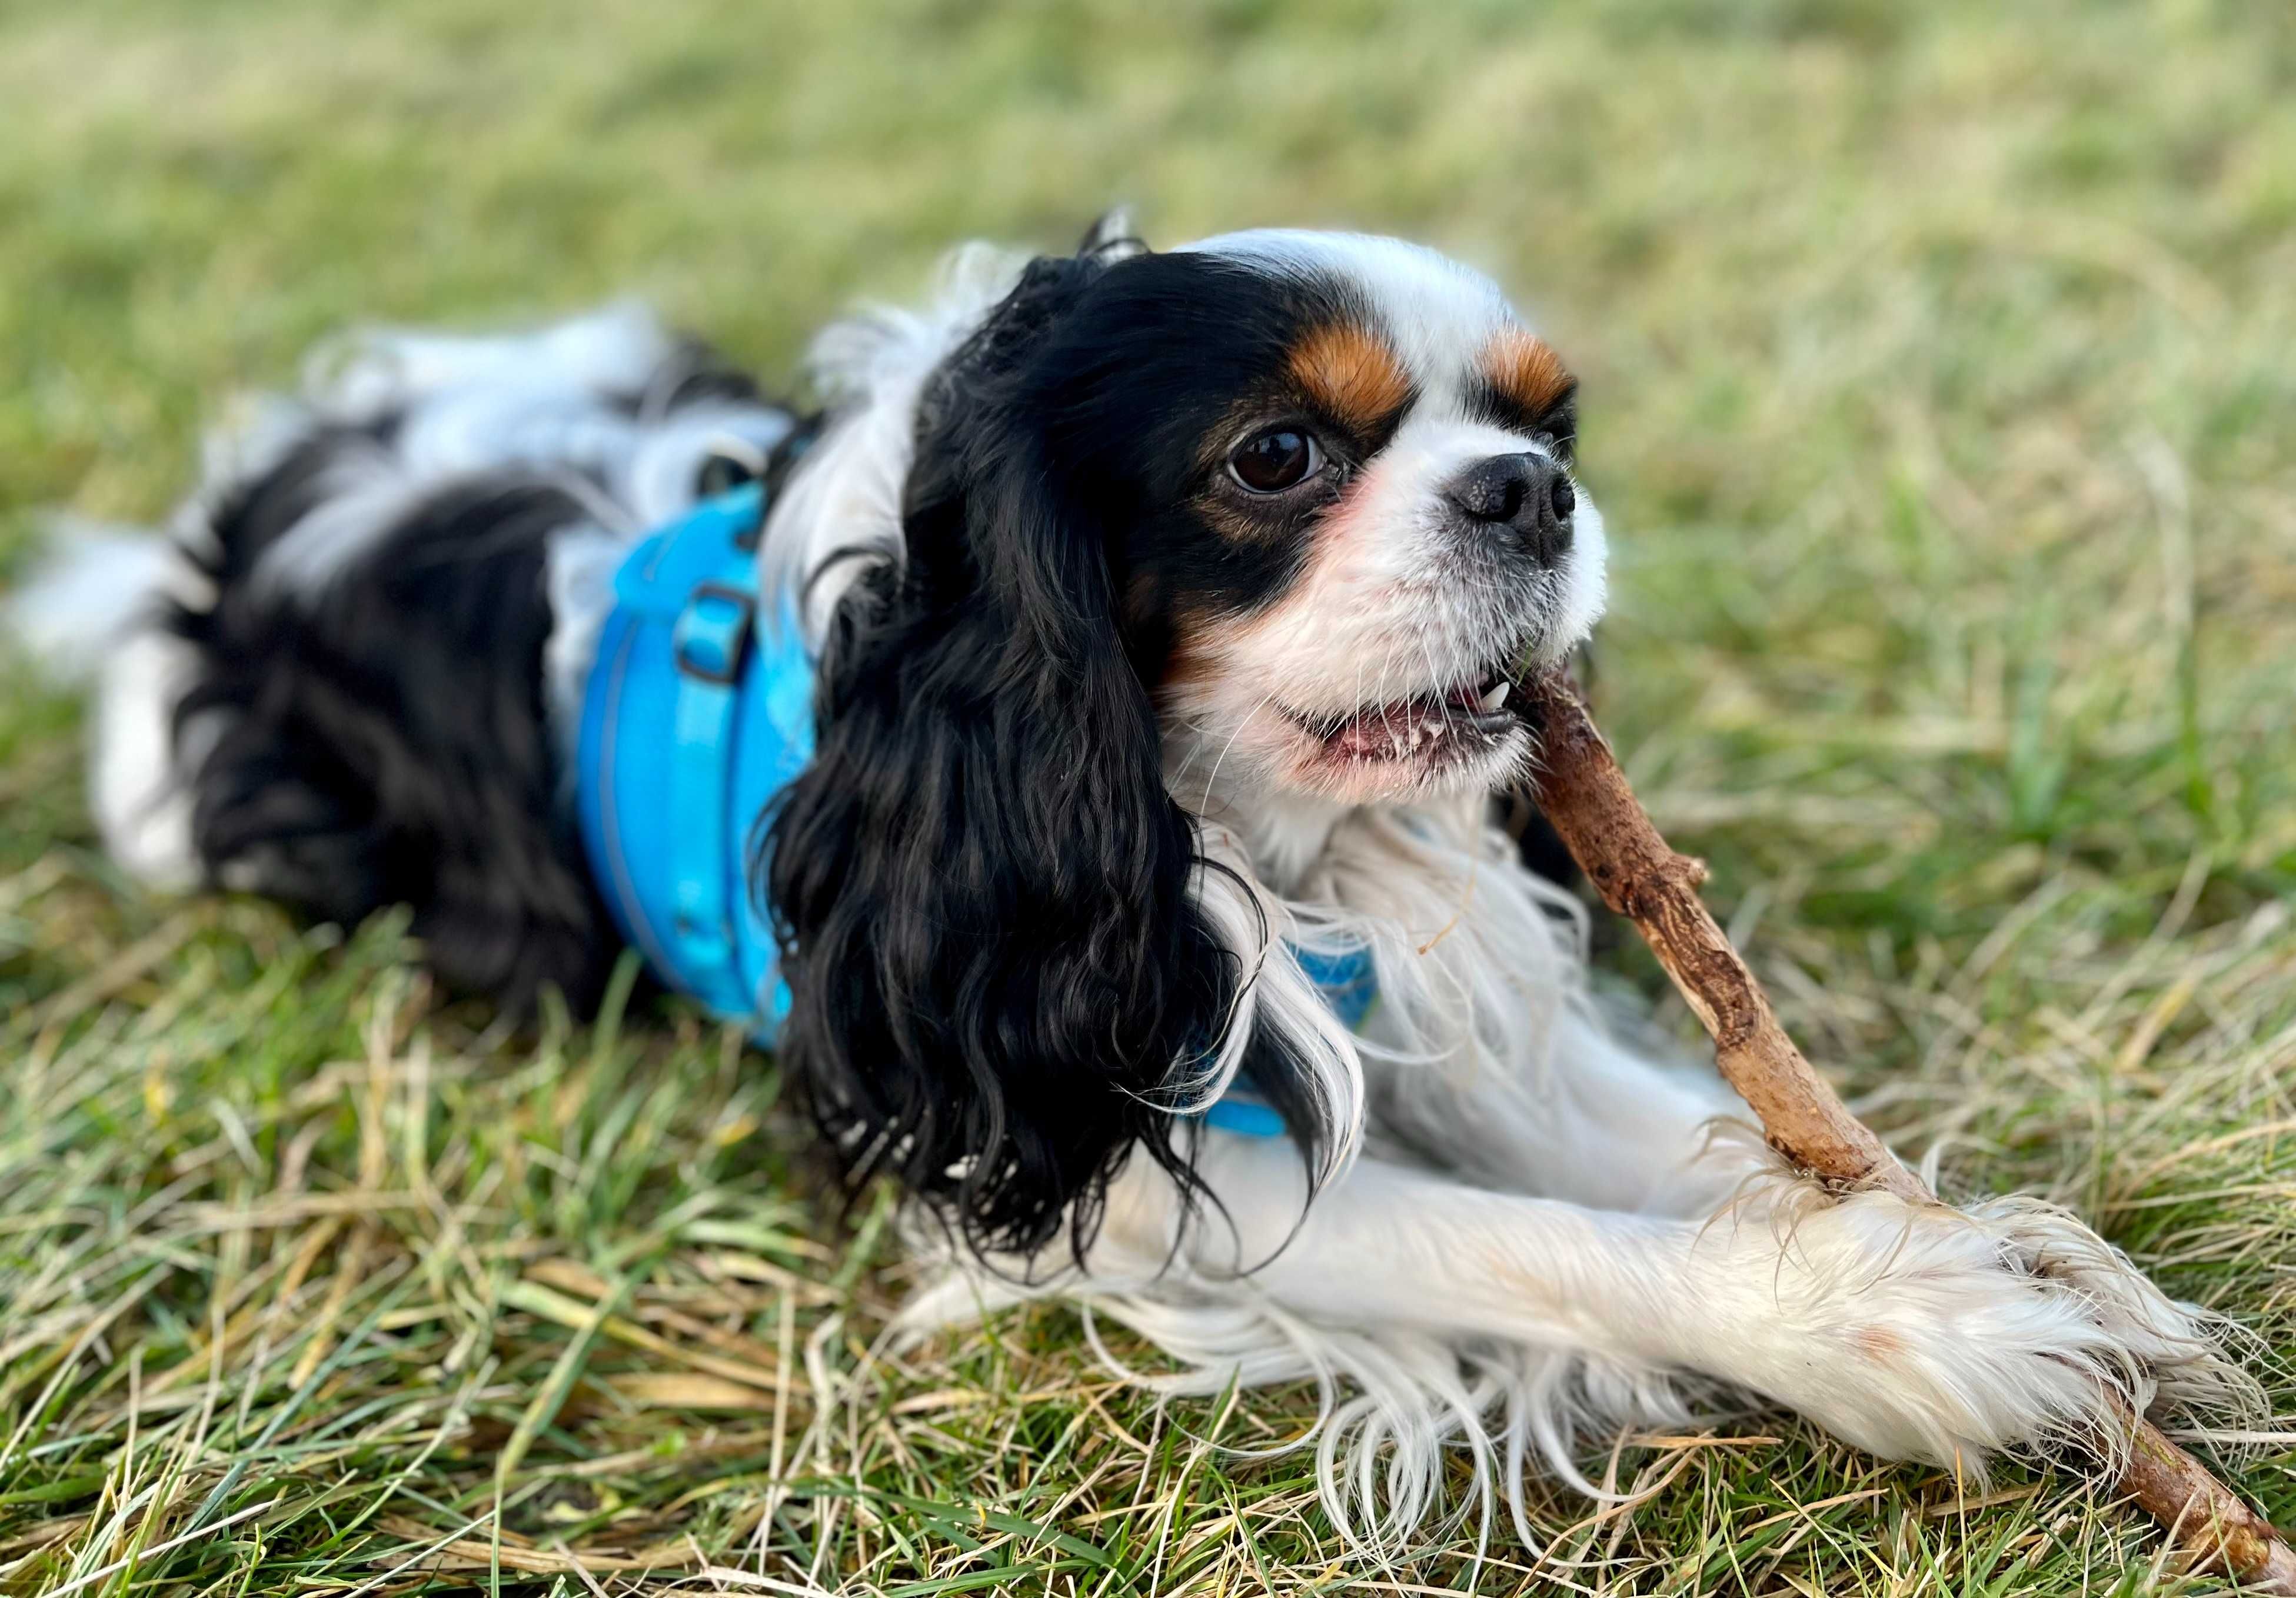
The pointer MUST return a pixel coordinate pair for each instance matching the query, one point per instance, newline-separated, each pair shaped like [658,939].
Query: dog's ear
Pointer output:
[983,894]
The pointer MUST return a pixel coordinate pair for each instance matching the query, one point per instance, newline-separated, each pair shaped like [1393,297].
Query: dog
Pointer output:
[1156,609]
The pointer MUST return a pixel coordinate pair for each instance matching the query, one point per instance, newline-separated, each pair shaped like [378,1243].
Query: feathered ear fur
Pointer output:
[1002,981]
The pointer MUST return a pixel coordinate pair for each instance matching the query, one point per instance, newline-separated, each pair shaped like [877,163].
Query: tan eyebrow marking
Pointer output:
[1349,370]
[1524,369]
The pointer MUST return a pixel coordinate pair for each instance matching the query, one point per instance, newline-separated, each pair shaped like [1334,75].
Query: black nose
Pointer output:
[1526,493]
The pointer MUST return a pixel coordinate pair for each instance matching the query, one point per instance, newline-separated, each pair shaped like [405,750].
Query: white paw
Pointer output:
[2180,1347]
[1940,1335]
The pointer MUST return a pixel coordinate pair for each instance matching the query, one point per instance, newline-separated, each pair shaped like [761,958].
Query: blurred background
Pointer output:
[1939,385]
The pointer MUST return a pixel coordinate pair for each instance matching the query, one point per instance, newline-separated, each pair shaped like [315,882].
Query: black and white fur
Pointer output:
[1104,735]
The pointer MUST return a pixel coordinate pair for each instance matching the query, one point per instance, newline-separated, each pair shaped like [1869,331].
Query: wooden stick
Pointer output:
[1584,798]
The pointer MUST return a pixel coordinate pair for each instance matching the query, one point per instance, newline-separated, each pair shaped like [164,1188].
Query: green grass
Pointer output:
[1938,386]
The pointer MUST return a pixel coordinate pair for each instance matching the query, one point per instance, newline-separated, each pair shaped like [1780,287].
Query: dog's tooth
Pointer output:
[1495,698]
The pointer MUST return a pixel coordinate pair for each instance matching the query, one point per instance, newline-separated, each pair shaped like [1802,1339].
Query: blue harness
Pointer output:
[697,712]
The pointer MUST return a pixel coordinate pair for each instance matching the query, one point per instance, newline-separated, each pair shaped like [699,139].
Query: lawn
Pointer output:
[1940,384]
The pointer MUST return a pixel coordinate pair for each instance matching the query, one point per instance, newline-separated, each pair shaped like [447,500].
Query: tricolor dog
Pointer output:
[1073,746]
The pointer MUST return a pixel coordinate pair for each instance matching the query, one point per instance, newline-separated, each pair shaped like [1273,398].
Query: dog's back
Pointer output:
[347,682]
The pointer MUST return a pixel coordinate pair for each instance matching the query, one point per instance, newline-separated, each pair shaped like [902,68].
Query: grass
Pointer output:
[1938,385]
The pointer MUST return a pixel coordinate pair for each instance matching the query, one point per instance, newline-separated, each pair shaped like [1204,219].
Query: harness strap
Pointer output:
[1348,982]
[708,642]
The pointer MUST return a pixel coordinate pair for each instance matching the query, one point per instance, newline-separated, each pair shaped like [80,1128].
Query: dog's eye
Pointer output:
[1270,462]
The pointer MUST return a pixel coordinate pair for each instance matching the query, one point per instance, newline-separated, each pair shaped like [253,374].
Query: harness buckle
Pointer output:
[712,634]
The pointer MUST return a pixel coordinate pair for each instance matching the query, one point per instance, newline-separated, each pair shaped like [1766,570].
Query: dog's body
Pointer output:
[1158,601]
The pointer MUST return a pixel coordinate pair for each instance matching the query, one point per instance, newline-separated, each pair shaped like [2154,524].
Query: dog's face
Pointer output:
[1334,474]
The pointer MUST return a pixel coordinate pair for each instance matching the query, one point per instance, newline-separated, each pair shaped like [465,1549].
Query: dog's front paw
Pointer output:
[1918,1332]
[2179,1348]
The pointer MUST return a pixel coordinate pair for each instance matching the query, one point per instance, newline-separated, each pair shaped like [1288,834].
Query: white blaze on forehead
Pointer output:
[1440,314]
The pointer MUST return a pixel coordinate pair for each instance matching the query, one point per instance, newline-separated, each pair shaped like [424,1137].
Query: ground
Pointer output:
[1938,385]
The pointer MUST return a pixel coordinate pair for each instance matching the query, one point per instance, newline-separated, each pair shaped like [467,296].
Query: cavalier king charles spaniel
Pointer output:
[1162,606]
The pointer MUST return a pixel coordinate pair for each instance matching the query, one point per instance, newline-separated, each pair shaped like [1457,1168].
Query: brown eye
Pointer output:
[1271,462]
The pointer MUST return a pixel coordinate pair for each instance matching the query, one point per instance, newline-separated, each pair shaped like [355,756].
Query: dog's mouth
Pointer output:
[1439,728]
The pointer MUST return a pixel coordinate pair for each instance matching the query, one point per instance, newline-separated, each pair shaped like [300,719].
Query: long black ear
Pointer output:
[981,889]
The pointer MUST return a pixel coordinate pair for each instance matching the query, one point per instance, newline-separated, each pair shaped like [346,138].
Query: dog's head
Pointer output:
[1334,476]
[1284,507]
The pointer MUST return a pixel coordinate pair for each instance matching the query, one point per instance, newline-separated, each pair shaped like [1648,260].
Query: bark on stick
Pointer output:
[1584,798]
